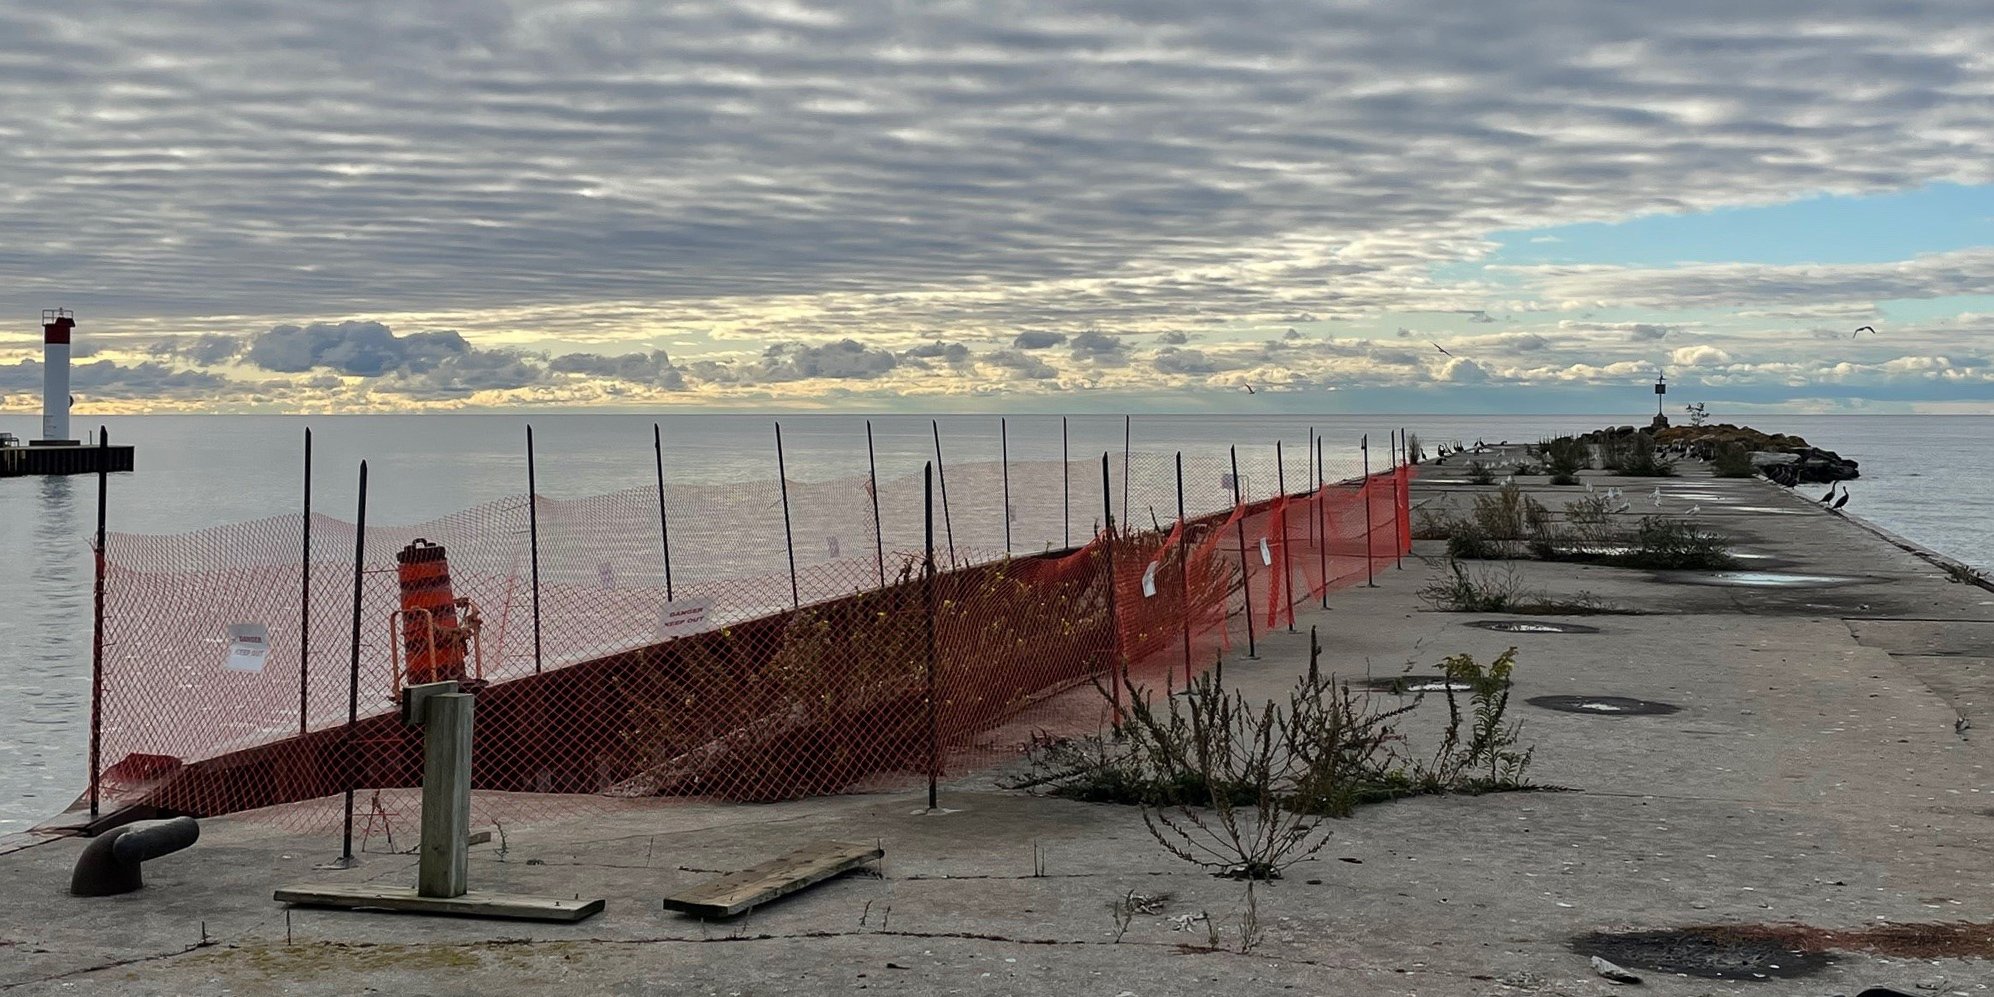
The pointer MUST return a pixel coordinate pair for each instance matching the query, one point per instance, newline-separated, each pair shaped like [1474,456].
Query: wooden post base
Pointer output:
[474,903]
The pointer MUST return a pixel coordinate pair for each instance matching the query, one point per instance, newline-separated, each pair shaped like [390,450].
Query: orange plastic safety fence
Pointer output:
[734,676]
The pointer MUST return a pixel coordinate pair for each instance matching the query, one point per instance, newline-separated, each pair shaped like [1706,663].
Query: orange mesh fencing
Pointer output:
[227,688]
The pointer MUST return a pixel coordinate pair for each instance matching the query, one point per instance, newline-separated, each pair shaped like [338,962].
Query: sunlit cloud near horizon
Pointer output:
[1421,205]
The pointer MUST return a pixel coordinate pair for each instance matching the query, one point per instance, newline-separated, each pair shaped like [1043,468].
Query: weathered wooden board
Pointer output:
[741,891]
[361,896]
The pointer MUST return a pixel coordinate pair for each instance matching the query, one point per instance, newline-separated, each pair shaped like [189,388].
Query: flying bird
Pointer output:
[1249,389]
[1862,329]
[1439,347]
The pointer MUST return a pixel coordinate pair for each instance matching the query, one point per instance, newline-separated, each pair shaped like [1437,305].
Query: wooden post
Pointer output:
[664,523]
[533,542]
[443,868]
[97,622]
[305,598]
[788,538]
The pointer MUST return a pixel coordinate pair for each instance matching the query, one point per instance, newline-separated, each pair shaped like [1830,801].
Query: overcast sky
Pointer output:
[1117,204]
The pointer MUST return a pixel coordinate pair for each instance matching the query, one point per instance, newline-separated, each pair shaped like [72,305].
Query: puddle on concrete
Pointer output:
[1605,706]
[1709,953]
[1533,627]
[1407,685]
[1765,580]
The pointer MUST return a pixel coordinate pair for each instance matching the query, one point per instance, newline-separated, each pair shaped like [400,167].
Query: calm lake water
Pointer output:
[1924,477]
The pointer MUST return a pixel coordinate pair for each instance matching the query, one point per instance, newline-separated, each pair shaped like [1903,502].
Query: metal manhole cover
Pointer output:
[1605,706]
[1709,953]
[1533,627]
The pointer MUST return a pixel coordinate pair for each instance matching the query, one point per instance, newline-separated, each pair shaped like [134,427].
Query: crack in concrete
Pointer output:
[114,964]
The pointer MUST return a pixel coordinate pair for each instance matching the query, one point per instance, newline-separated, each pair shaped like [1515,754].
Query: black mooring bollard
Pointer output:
[109,865]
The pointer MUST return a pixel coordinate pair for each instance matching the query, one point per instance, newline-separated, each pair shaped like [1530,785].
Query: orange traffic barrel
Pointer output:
[431,643]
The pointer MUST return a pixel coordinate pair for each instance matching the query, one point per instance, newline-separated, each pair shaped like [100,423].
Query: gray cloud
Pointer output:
[206,349]
[653,368]
[1090,162]
[361,349]
[1100,348]
[103,378]
[1020,364]
[1038,340]
[1173,338]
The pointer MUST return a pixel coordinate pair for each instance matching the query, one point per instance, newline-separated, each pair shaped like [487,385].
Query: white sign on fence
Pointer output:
[1149,579]
[1266,555]
[248,647]
[683,616]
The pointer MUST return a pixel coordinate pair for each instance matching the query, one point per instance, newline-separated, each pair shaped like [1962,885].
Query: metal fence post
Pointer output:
[872,486]
[97,621]
[1004,456]
[1065,488]
[928,600]
[1287,570]
[664,522]
[1398,500]
[1322,514]
[353,663]
[788,538]
[1370,579]
[942,478]
[1183,573]
[305,598]
[533,542]
[1128,424]
[1245,569]
[1114,616]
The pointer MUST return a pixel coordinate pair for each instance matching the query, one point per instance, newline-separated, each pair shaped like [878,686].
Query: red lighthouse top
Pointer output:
[56,325]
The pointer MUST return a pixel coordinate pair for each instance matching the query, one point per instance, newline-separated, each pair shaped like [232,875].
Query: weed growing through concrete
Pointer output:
[1244,790]
[1732,460]
[1564,458]
[1634,456]
[1499,589]
[1480,473]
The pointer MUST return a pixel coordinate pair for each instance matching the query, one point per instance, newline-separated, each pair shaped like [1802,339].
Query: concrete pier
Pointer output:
[63,459]
[1830,764]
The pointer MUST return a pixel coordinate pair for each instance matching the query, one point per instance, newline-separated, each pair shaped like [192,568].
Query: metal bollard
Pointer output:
[109,865]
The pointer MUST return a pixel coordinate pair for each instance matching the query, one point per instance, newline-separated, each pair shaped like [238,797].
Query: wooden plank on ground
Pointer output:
[476,903]
[737,892]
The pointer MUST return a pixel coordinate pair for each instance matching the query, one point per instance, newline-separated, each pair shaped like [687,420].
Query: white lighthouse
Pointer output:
[57,324]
